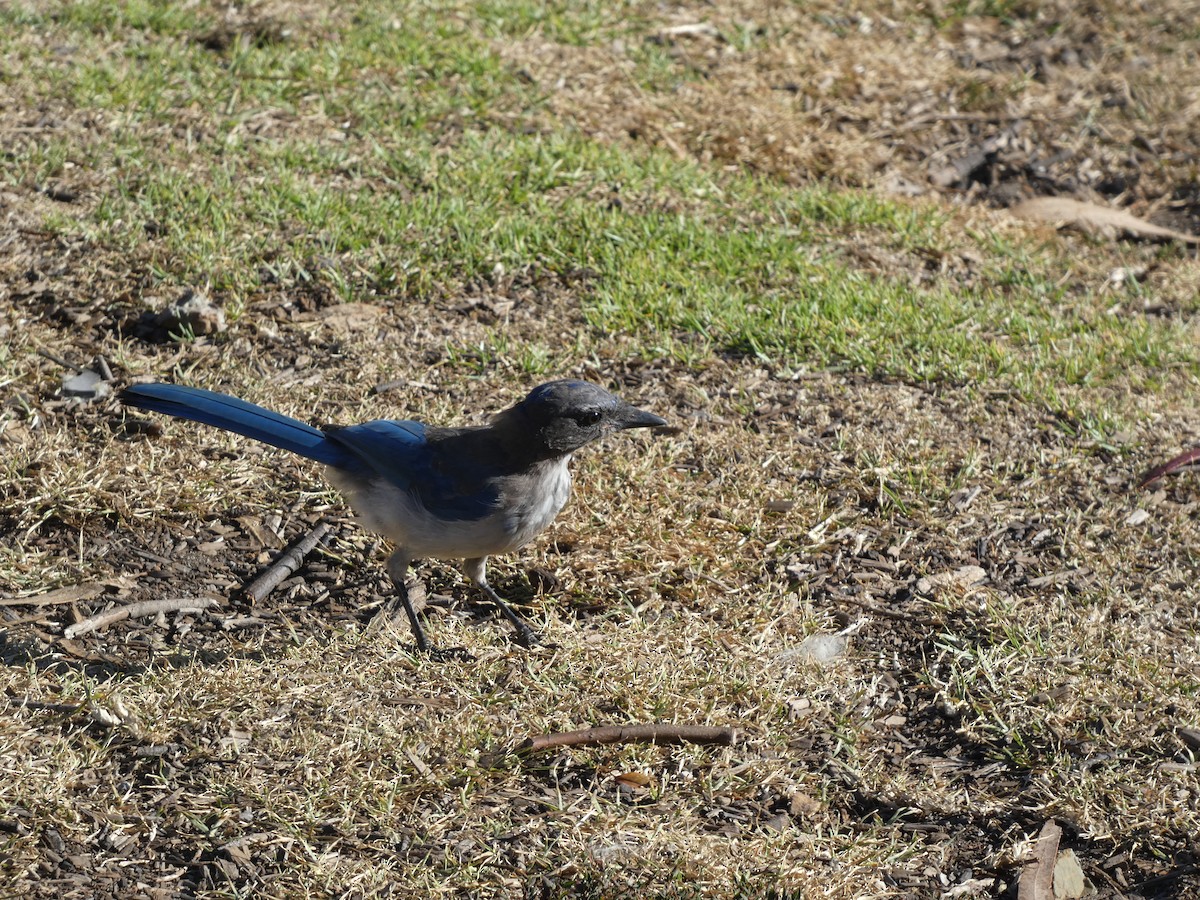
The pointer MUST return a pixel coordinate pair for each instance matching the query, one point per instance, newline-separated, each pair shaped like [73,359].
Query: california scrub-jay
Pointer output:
[456,493]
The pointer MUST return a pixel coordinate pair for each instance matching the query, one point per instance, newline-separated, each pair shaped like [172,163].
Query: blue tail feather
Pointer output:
[237,416]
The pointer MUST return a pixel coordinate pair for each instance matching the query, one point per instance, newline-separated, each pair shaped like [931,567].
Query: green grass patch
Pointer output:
[390,160]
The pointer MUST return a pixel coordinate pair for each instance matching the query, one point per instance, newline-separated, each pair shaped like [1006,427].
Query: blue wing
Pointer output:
[394,450]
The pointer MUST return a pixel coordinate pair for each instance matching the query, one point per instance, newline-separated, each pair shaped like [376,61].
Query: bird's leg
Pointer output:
[476,570]
[398,567]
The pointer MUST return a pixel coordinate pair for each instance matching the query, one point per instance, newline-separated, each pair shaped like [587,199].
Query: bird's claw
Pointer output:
[526,637]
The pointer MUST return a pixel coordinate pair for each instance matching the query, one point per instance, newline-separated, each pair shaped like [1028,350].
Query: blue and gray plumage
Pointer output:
[447,493]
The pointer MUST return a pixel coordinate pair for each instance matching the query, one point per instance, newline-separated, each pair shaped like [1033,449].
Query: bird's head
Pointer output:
[563,416]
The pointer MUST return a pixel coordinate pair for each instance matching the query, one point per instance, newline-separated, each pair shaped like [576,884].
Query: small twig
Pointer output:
[26,703]
[657,733]
[897,614]
[66,364]
[137,611]
[289,561]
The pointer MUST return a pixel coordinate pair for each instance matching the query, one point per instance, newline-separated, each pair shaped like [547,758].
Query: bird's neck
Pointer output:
[520,440]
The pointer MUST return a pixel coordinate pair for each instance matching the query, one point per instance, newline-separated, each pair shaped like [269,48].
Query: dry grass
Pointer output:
[884,95]
[289,749]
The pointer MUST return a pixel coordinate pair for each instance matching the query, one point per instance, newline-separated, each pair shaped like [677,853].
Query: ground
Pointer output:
[905,428]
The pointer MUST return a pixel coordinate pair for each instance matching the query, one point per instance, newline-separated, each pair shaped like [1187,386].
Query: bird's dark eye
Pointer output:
[587,417]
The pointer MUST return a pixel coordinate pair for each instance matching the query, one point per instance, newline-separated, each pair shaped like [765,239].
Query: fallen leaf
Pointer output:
[634,782]
[1069,881]
[1091,218]
[634,779]
[1171,465]
[1037,881]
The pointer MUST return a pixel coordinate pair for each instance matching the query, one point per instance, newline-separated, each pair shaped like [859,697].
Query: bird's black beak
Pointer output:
[632,417]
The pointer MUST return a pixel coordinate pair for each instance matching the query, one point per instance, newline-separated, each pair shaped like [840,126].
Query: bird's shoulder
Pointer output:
[471,454]
[454,471]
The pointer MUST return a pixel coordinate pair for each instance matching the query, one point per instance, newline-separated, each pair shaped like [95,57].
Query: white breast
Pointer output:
[528,516]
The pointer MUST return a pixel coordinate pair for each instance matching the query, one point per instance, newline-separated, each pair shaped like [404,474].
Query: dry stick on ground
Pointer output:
[657,733]
[65,363]
[137,611]
[289,561]
[15,702]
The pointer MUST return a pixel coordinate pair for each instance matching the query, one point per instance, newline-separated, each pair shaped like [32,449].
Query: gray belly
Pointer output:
[527,505]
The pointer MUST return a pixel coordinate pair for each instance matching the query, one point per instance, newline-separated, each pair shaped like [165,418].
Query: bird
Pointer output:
[436,492]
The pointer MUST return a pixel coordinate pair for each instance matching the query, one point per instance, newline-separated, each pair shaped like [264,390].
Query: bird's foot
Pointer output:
[526,637]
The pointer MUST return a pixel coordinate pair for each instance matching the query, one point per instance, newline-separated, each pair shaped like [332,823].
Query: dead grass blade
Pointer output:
[656,733]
